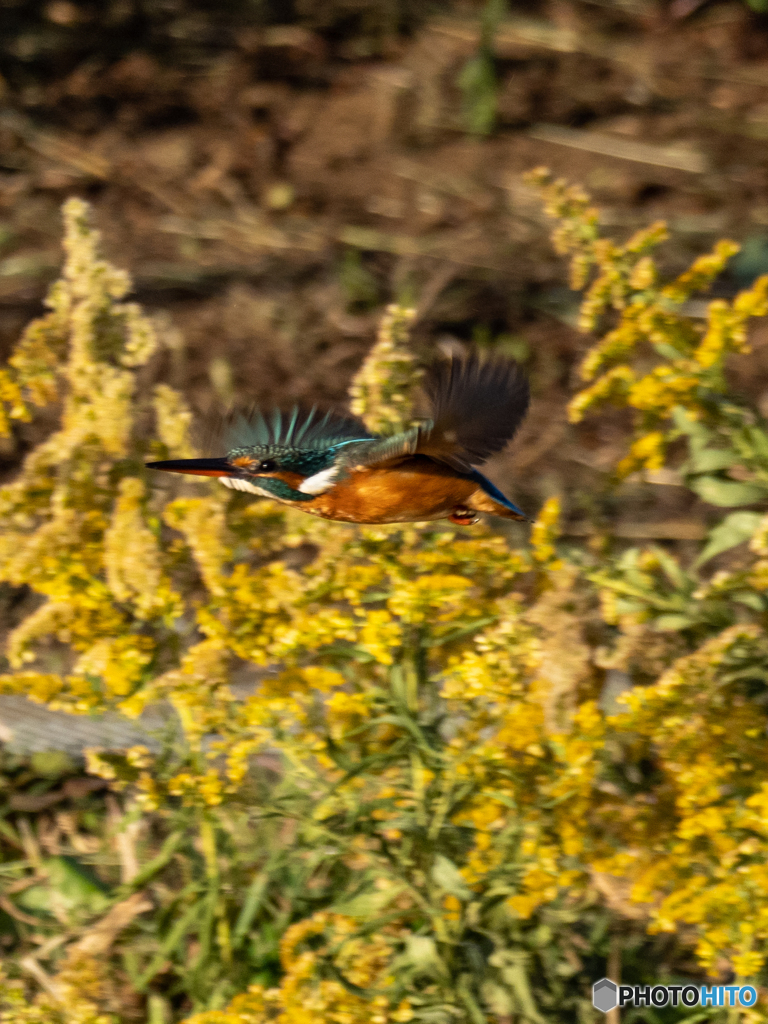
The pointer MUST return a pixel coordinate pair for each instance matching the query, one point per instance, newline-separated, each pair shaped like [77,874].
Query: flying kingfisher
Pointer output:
[333,467]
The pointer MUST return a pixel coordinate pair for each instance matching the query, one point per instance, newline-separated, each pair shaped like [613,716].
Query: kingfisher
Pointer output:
[332,466]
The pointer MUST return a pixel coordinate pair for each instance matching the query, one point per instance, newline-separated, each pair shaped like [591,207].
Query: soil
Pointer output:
[271,186]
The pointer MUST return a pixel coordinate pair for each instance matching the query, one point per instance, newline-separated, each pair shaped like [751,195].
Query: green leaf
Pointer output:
[709,460]
[753,257]
[727,493]
[749,598]
[368,904]
[164,857]
[157,1010]
[251,905]
[449,878]
[666,350]
[36,899]
[477,79]
[465,994]
[698,435]
[52,764]
[757,440]
[511,964]
[734,529]
[8,833]
[77,884]
[670,566]
[169,944]
[477,82]
[497,998]
[670,623]
[72,885]
[360,287]
[463,631]
[421,957]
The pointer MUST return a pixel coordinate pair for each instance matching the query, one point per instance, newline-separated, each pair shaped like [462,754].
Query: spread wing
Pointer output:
[477,406]
[305,431]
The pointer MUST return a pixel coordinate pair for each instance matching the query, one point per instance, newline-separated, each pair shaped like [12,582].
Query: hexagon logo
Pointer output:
[605,995]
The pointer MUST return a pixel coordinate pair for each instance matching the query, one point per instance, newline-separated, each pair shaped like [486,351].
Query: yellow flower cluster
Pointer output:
[74,998]
[76,523]
[709,870]
[357,995]
[431,698]
[380,392]
[646,312]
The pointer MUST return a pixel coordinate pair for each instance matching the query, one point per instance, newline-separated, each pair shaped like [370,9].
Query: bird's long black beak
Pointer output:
[197,467]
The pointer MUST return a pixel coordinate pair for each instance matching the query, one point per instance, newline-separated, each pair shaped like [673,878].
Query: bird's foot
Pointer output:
[463,516]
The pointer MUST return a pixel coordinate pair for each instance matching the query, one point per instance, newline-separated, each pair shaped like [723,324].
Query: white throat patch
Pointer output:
[236,483]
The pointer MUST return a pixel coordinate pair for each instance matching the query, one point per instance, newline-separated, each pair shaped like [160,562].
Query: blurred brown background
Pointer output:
[273,173]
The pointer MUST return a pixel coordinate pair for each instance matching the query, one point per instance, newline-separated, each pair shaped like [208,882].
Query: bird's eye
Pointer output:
[267,465]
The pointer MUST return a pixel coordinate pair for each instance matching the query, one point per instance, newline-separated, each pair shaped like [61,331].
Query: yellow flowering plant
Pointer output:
[685,393]
[415,806]
[692,838]
[151,597]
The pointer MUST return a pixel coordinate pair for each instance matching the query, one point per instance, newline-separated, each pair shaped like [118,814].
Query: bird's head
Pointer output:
[293,449]
[241,469]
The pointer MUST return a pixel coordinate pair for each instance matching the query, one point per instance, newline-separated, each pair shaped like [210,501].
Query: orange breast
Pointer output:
[409,492]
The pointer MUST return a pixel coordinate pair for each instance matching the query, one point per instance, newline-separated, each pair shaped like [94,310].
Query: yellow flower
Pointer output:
[545,532]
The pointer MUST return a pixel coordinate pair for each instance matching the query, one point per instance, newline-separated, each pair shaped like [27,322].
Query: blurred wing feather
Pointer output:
[477,406]
[300,430]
